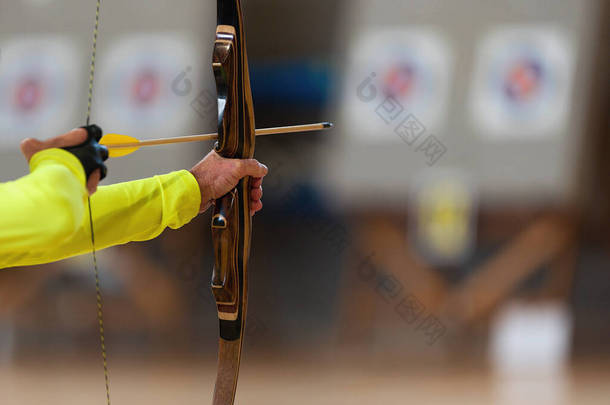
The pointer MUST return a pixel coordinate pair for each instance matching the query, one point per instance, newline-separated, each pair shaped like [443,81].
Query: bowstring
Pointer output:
[98,289]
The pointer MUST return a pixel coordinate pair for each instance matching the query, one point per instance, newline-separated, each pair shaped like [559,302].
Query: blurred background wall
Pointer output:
[447,242]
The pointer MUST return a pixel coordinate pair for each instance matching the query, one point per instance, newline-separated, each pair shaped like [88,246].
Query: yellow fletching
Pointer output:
[119,145]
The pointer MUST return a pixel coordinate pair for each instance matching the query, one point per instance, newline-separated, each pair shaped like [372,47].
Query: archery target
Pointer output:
[393,74]
[522,83]
[38,88]
[136,91]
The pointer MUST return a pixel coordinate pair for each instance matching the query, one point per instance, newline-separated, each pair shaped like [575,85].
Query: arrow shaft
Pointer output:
[209,137]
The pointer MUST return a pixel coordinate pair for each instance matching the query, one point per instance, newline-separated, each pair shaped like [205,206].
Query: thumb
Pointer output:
[29,147]
[252,168]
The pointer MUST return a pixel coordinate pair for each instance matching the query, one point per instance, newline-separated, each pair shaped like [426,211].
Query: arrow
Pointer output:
[122,145]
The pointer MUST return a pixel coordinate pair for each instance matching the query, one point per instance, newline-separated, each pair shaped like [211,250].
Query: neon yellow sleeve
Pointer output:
[43,208]
[137,211]
[44,215]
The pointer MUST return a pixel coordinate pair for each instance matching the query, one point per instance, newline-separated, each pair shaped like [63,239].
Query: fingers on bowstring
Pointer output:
[93,181]
[71,138]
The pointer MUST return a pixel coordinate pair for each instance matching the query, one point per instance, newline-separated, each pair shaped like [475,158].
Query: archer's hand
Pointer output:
[31,146]
[217,176]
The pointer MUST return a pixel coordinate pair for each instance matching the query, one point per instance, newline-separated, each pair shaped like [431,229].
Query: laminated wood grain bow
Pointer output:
[231,220]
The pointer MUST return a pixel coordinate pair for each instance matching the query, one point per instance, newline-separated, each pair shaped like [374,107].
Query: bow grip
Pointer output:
[224,235]
[90,153]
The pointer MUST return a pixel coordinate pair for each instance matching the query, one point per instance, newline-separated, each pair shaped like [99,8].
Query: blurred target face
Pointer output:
[28,94]
[523,80]
[135,93]
[38,87]
[400,80]
[145,88]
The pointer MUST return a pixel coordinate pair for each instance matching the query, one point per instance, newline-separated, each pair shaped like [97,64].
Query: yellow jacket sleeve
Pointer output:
[44,215]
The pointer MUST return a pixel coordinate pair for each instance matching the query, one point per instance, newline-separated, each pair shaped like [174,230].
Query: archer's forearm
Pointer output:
[136,211]
[42,209]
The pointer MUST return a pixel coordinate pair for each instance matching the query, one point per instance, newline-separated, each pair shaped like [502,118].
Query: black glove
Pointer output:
[91,154]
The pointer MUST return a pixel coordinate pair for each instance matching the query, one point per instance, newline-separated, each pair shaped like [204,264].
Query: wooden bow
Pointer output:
[231,220]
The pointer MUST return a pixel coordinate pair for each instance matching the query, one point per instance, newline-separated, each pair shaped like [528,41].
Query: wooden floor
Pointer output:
[171,382]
